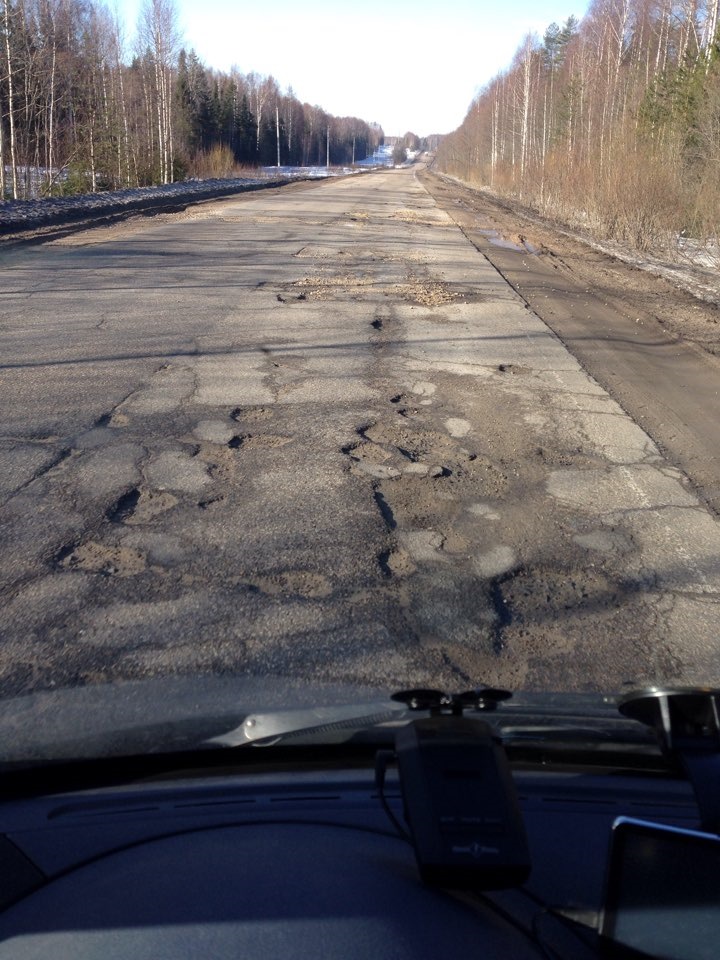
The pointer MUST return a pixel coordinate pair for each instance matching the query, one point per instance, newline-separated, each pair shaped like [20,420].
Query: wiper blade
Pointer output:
[265,729]
[513,723]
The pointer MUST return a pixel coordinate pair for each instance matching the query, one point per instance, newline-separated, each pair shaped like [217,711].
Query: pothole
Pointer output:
[428,293]
[513,368]
[534,595]
[211,501]
[140,506]
[124,508]
[390,450]
[396,563]
[296,298]
[251,414]
[94,557]
[255,441]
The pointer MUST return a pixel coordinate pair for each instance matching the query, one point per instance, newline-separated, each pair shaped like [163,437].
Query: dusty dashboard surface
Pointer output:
[277,865]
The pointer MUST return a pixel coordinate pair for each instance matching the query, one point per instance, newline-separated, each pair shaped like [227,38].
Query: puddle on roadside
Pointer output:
[497,240]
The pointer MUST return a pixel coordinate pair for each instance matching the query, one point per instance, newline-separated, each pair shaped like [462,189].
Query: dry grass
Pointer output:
[219,163]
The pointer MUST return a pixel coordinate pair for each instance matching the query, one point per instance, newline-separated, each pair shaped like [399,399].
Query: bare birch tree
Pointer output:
[158,33]
[9,76]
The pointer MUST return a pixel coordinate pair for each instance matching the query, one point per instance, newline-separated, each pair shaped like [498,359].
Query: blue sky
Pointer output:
[406,65]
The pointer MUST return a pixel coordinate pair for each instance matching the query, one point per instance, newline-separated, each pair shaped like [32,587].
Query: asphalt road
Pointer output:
[314,433]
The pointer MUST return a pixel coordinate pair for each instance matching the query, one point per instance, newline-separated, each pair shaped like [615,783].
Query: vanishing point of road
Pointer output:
[312,432]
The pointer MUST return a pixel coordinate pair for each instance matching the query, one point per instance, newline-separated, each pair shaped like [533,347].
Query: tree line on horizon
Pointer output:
[80,113]
[611,123]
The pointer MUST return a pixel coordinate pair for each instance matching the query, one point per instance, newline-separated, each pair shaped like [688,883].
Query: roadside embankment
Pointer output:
[22,219]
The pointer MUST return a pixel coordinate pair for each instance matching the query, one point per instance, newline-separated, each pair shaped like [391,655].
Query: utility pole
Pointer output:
[327,155]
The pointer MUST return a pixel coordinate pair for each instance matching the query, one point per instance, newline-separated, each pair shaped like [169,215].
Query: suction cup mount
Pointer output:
[453,704]
[687,723]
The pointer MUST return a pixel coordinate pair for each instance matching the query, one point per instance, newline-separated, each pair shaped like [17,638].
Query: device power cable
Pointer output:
[383,758]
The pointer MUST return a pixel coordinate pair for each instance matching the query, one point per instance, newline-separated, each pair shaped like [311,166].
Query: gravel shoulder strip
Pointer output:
[680,301]
[652,344]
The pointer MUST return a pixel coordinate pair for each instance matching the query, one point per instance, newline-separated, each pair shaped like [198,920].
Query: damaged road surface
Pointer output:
[314,433]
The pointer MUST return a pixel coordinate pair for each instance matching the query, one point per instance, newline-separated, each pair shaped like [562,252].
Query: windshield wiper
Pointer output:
[515,724]
[266,729]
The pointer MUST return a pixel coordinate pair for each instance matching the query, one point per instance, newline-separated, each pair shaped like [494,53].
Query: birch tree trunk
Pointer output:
[525,122]
[2,158]
[277,132]
[710,32]
[157,30]
[11,100]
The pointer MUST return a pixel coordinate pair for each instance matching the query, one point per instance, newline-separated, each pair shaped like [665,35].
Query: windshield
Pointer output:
[350,350]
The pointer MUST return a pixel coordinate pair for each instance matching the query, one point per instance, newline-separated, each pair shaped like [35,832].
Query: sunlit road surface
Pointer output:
[313,433]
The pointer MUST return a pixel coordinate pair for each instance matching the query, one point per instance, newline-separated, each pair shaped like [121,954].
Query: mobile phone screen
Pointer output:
[662,896]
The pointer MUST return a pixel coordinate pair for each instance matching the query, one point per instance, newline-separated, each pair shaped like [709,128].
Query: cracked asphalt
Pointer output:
[314,433]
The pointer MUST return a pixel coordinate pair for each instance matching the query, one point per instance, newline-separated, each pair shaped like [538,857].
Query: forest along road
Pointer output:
[315,433]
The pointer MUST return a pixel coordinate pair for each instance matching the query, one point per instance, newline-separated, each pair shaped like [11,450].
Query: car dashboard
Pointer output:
[300,859]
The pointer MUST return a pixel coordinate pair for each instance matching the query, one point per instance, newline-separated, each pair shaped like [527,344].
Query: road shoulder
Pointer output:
[650,344]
